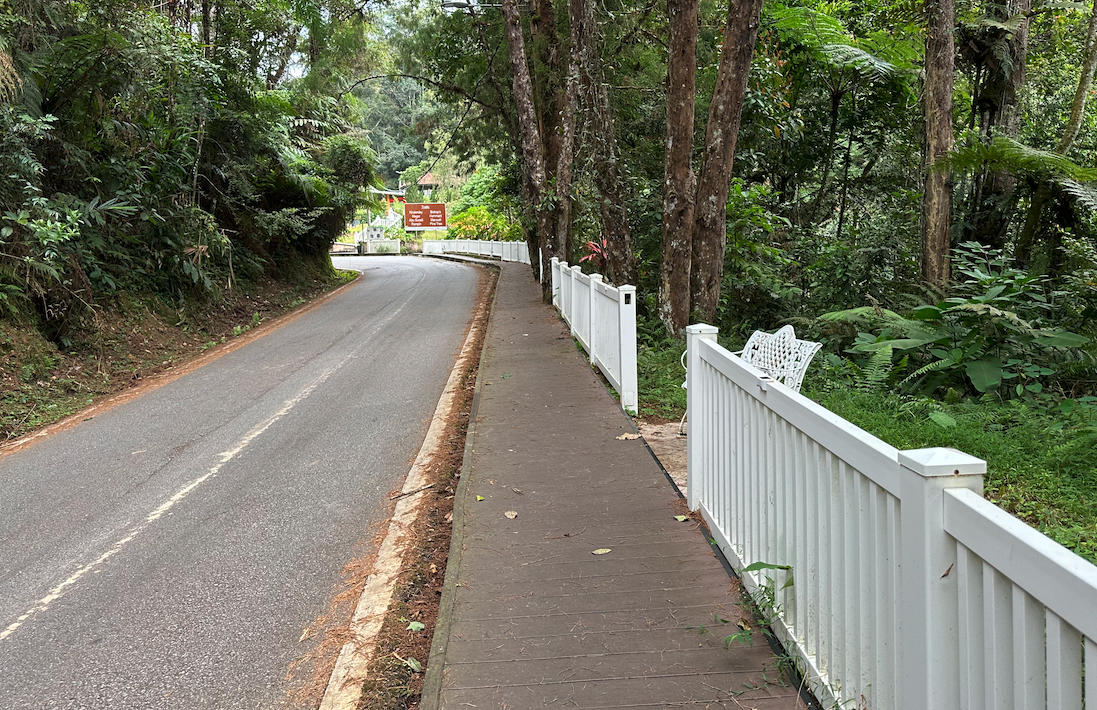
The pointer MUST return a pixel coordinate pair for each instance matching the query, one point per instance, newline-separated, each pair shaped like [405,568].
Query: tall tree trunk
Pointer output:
[998,114]
[606,156]
[564,170]
[550,100]
[937,200]
[678,184]
[1023,250]
[207,35]
[843,197]
[532,155]
[561,242]
[721,135]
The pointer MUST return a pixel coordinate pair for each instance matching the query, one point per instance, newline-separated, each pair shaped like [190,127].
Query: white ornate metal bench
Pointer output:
[781,355]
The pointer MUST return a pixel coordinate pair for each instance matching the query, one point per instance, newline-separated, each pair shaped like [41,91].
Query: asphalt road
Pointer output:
[169,553]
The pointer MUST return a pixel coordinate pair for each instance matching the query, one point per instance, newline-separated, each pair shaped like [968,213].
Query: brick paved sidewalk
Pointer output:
[530,618]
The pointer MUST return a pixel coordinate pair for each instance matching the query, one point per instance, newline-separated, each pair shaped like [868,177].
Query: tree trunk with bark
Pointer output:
[995,103]
[1023,250]
[678,184]
[606,156]
[564,168]
[725,112]
[937,199]
[532,156]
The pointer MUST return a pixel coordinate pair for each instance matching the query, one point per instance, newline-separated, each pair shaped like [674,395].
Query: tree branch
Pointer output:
[452,88]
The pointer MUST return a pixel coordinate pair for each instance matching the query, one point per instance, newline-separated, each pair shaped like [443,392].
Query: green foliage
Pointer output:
[134,157]
[479,223]
[986,339]
[1040,461]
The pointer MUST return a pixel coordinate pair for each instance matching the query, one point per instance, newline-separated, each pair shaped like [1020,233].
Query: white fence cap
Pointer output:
[940,461]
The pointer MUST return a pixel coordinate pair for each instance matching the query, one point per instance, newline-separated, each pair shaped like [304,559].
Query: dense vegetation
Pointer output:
[174,148]
[912,185]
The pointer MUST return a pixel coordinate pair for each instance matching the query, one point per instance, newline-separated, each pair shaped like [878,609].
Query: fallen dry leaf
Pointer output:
[628,437]
[601,551]
[512,514]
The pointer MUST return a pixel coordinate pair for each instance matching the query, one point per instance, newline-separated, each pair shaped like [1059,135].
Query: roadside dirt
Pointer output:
[125,346]
[394,678]
[668,446]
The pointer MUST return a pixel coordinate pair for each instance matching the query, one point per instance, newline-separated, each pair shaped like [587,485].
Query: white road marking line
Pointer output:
[57,592]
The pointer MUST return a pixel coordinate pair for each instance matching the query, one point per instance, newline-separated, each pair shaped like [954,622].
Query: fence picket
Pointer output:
[910,590]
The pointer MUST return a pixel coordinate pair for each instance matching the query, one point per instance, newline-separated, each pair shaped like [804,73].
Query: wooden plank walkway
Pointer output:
[530,617]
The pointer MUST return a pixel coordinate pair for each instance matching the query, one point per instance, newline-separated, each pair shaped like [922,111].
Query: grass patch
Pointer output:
[659,378]
[1047,478]
[1038,470]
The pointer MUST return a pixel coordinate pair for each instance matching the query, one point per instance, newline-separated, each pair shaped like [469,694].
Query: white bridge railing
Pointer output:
[504,251]
[893,581]
[603,319]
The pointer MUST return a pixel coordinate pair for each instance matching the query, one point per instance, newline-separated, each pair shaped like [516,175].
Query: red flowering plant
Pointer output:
[598,252]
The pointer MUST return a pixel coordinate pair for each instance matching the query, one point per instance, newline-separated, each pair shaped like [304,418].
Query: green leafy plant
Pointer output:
[983,339]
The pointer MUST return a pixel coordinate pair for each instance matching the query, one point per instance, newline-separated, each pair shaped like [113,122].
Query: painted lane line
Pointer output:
[58,591]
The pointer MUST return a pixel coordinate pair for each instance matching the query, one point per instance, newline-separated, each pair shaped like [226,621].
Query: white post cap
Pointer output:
[940,461]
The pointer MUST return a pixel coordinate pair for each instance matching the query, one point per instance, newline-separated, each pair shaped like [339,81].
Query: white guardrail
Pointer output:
[904,588]
[504,251]
[603,319]
[378,246]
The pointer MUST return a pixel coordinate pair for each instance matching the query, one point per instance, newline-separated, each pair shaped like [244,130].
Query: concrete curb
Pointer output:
[432,684]
[344,685]
[462,259]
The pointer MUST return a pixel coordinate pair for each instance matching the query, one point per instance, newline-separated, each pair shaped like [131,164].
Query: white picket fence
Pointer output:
[504,251]
[378,246]
[909,591]
[603,319]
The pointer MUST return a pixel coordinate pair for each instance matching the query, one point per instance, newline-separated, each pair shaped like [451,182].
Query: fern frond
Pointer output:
[864,315]
[1009,155]
[921,372]
[1086,195]
[810,27]
[845,56]
[987,310]
[874,375]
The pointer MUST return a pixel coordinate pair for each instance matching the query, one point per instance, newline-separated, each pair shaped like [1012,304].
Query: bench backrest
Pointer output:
[780,355]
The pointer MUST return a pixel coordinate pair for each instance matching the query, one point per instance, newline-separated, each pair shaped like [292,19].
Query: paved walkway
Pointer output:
[531,617]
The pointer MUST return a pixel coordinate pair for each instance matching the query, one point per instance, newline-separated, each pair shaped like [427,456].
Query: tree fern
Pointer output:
[1008,155]
[846,56]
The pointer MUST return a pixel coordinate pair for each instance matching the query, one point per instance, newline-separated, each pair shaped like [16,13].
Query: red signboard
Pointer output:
[424,215]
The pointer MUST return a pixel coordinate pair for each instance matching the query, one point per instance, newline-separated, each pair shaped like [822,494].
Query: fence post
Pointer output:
[697,427]
[565,290]
[555,271]
[929,603]
[626,319]
[592,327]
[575,272]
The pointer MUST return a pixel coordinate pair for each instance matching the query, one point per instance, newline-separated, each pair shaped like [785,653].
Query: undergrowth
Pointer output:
[1041,463]
[1044,475]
